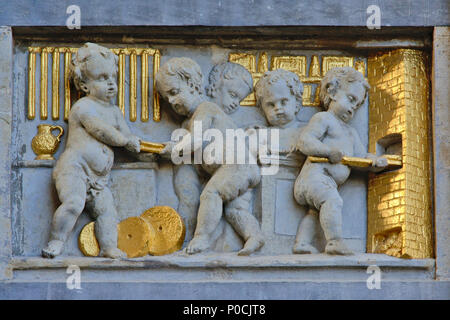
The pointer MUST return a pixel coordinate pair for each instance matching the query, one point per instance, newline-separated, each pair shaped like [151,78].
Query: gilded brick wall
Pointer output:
[399,202]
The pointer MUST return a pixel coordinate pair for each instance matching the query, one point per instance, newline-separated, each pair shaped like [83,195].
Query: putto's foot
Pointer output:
[251,245]
[304,248]
[197,244]
[112,253]
[53,249]
[337,247]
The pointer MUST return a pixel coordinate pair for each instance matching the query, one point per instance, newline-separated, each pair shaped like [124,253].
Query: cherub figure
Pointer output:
[229,83]
[82,172]
[328,134]
[179,81]
[279,95]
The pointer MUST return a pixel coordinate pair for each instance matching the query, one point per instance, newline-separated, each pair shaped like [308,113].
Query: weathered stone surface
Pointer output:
[6,83]
[441,130]
[211,290]
[226,13]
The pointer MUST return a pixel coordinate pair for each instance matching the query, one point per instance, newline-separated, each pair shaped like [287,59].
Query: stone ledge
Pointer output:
[226,260]
[209,267]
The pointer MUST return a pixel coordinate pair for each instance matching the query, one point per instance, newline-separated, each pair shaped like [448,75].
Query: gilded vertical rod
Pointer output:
[144,86]
[133,88]
[156,108]
[44,79]
[263,63]
[67,58]
[32,84]
[121,93]
[307,90]
[55,85]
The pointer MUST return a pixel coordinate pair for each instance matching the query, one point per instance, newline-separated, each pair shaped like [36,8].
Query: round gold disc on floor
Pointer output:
[87,242]
[169,227]
[135,236]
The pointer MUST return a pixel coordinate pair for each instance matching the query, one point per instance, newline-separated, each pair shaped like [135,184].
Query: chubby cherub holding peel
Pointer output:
[82,172]
[328,134]
[179,81]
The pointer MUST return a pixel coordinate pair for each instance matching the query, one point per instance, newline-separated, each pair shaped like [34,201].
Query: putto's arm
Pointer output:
[378,163]
[101,131]
[133,143]
[309,142]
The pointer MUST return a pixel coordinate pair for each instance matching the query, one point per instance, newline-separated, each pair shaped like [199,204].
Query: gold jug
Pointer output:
[45,144]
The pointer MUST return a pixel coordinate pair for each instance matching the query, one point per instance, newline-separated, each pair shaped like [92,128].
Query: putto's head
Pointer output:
[229,84]
[279,95]
[94,71]
[342,91]
[180,82]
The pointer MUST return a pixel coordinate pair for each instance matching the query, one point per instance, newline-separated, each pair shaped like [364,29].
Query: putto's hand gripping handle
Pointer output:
[151,147]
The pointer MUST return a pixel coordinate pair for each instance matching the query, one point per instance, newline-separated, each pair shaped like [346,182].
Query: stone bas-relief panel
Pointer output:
[160,187]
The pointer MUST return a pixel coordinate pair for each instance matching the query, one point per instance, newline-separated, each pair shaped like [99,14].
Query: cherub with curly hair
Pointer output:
[279,95]
[328,134]
[179,81]
[82,172]
[228,84]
